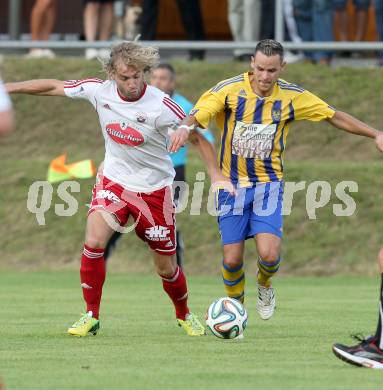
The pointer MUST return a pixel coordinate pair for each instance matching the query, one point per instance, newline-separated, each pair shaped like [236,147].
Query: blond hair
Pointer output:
[131,54]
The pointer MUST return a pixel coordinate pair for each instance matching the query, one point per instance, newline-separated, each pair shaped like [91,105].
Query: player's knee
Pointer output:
[269,255]
[95,241]
[232,262]
[166,270]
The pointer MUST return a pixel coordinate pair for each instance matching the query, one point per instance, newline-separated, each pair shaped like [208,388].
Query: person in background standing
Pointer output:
[315,19]
[245,22]
[378,5]
[98,22]
[43,18]
[361,7]
[191,16]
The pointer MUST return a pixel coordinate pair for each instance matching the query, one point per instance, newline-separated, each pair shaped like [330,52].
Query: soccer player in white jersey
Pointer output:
[163,76]
[137,176]
[369,351]
[6,112]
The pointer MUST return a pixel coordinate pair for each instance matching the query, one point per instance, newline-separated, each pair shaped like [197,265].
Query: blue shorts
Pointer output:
[253,210]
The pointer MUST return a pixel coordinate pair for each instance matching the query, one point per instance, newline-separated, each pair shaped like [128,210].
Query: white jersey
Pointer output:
[5,102]
[135,132]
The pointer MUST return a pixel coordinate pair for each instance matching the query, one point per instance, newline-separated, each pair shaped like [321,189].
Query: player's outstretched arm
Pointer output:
[41,87]
[347,122]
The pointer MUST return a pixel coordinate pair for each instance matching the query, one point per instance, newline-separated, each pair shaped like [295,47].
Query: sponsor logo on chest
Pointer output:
[123,133]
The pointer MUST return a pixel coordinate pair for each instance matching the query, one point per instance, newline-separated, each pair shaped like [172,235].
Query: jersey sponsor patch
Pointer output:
[251,140]
[124,134]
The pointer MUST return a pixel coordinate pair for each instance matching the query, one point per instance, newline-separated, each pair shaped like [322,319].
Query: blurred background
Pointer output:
[344,26]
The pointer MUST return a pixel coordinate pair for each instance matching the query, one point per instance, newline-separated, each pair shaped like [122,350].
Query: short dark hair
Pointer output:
[167,66]
[270,47]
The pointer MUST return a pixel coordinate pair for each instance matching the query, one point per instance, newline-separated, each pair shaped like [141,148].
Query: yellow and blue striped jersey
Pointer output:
[254,129]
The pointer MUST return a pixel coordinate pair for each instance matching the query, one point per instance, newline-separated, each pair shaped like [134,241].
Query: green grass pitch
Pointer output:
[140,346]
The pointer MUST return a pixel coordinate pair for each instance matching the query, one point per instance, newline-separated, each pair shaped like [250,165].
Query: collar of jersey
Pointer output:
[248,87]
[132,100]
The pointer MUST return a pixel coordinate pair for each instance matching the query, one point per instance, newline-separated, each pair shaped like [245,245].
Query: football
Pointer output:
[226,318]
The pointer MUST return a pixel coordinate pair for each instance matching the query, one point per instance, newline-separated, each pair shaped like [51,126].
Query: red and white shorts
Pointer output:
[153,213]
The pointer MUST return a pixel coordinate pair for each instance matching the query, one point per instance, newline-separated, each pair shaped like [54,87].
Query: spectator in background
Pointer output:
[291,24]
[361,7]
[292,31]
[98,22]
[149,18]
[43,18]
[291,28]
[379,25]
[191,16]
[245,22]
[267,24]
[315,22]
[6,112]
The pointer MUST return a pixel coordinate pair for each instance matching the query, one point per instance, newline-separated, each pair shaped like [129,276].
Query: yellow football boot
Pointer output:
[85,325]
[192,325]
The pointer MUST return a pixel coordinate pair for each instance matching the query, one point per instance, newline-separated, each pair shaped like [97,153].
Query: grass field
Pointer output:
[140,347]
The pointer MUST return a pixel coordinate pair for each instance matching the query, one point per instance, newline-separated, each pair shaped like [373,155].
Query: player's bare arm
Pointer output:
[347,122]
[379,143]
[41,87]
[181,135]
[208,155]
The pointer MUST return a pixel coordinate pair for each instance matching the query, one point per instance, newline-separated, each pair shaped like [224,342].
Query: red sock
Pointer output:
[177,290]
[92,273]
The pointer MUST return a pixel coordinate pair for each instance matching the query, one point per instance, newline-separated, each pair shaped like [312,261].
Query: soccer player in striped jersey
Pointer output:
[254,111]
[369,351]
[137,174]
